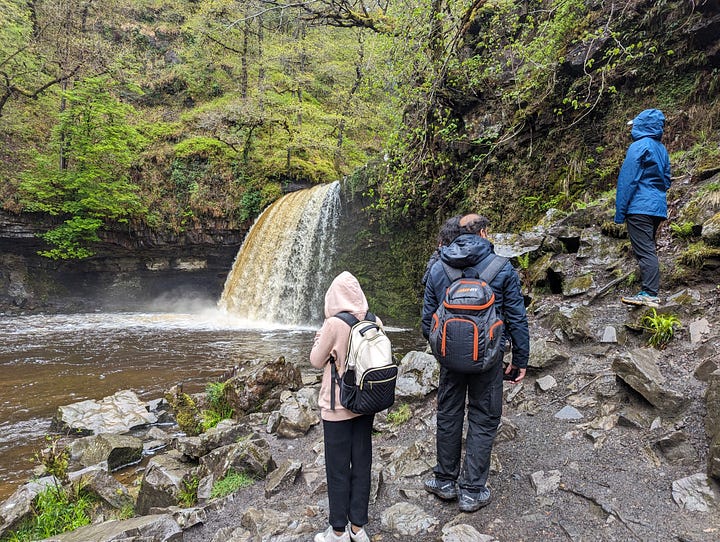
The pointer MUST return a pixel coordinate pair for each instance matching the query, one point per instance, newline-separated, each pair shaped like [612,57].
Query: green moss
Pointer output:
[399,415]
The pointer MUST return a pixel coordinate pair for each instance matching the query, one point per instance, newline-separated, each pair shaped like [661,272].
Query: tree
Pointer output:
[99,145]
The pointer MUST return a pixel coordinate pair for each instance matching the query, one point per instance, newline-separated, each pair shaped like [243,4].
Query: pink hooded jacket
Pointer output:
[344,294]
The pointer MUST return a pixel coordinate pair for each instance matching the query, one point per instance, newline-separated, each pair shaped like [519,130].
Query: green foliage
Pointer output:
[230,483]
[86,176]
[188,492]
[54,459]
[661,327]
[523,260]
[55,511]
[399,415]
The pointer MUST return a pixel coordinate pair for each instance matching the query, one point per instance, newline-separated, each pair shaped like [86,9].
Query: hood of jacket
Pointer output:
[466,250]
[649,123]
[345,294]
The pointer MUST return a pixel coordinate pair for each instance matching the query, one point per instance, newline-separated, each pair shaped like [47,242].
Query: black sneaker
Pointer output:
[445,489]
[471,501]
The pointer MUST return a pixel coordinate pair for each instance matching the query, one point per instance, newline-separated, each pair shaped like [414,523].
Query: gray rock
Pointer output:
[117,450]
[268,524]
[117,413]
[639,370]
[543,355]
[544,482]
[676,448]
[698,330]
[546,383]
[250,455]
[282,478]
[711,231]
[258,388]
[573,286]
[296,419]
[105,487]
[464,533]
[162,482]
[695,493]
[405,519]
[224,433]
[155,528]
[569,413]
[609,335]
[417,375]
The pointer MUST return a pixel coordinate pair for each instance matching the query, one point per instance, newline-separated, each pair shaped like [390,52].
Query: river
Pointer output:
[51,360]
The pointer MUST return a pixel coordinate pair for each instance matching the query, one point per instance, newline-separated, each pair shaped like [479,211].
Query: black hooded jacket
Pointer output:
[468,250]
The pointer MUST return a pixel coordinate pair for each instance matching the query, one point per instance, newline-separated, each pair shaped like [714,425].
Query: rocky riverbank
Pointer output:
[606,439]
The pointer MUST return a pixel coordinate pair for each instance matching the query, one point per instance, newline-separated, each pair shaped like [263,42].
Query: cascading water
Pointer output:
[281,271]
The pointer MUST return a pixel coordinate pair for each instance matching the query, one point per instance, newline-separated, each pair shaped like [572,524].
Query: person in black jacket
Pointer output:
[449,231]
[482,390]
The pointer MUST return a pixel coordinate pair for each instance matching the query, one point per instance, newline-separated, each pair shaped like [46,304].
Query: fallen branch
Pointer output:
[608,286]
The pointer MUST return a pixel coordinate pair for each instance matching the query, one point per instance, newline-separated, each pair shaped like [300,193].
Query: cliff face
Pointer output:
[133,269]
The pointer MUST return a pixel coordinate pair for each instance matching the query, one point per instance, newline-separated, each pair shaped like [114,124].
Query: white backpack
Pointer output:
[368,384]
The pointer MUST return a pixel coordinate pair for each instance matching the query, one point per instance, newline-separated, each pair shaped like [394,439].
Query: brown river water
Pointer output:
[51,360]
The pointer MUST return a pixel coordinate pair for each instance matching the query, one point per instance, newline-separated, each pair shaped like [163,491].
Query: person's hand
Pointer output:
[514,374]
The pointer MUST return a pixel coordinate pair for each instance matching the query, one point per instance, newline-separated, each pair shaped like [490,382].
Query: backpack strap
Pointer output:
[350,319]
[453,273]
[489,271]
[492,268]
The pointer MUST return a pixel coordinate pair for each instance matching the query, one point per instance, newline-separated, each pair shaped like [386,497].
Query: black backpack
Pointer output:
[368,384]
[466,334]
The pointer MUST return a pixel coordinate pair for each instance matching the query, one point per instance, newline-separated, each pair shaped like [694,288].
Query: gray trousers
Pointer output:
[484,408]
[642,230]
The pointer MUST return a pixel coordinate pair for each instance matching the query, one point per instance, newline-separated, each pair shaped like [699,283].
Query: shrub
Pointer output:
[53,459]
[661,326]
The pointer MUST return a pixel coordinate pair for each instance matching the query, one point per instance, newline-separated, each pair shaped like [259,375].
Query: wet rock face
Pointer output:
[128,270]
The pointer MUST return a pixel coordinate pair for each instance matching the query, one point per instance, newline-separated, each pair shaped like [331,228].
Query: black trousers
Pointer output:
[348,459]
[484,409]
[642,230]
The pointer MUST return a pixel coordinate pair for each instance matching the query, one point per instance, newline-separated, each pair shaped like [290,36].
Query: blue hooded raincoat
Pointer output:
[645,174]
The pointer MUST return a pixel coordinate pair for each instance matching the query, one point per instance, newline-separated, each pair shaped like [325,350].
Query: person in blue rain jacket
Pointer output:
[641,201]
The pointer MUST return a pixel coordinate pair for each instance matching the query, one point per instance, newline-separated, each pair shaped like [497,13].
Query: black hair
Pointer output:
[449,230]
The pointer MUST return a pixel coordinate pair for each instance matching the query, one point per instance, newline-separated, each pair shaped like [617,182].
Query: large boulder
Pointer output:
[117,413]
[250,455]
[639,370]
[224,433]
[163,482]
[101,484]
[417,376]
[259,388]
[158,528]
[117,450]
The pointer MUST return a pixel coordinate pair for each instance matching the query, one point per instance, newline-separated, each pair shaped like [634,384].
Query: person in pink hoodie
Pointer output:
[347,435]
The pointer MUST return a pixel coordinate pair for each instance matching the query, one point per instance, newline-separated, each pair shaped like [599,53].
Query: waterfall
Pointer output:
[281,271]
